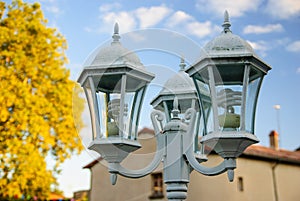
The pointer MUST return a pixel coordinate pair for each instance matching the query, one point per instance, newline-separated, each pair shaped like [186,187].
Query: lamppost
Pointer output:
[223,103]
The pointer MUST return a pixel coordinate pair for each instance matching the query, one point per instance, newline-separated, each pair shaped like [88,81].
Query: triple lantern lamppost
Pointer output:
[219,110]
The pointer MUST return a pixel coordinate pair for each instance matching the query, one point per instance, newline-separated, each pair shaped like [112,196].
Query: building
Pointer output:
[82,195]
[263,173]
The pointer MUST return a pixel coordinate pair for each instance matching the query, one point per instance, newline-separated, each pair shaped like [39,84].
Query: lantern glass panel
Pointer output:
[227,82]
[168,107]
[183,106]
[221,92]
[133,118]
[119,110]
[229,100]
[202,84]
[255,80]
[108,122]
[89,96]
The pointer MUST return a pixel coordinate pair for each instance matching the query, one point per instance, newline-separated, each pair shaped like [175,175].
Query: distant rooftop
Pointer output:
[268,153]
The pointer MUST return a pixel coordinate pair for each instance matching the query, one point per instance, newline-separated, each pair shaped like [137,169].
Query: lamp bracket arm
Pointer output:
[157,118]
[117,168]
[228,164]
[189,137]
[188,144]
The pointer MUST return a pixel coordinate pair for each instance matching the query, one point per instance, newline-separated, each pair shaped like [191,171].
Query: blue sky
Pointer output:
[272,27]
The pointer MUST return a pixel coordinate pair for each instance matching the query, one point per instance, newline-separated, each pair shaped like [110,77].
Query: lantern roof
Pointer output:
[179,83]
[109,63]
[228,49]
[227,43]
[115,54]
[180,86]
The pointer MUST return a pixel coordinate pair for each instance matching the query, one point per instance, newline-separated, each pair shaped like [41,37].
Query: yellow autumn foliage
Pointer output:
[36,118]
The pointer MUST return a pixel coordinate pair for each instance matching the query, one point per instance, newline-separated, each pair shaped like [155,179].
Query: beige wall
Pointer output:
[257,178]
[288,182]
[258,183]
[126,189]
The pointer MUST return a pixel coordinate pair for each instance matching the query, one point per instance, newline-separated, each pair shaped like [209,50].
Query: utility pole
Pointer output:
[277,108]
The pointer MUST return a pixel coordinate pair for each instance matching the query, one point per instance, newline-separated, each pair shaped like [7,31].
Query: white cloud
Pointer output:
[52,6]
[179,17]
[49,1]
[126,21]
[151,16]
[298,70]
[136,37]
[109,7]
[53,9]
[142,17]
[200,29]
[235,8]
[260,46]
[145,17]
[283,9]
[88,29]
[263,29]
[188,24]
[282,41]
[294,46]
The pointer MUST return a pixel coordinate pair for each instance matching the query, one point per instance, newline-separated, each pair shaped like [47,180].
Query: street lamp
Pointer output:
[220,111]
[114,83]
[181,87]
[232,73]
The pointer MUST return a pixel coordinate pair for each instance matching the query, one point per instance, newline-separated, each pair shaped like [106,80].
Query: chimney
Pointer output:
[274,140]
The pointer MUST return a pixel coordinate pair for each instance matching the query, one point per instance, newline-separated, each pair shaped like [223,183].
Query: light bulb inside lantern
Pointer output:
[114,115]
[227,99]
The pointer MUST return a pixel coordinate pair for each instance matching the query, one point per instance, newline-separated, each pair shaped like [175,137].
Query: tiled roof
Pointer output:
[91,164]
[146,130]
[280,155]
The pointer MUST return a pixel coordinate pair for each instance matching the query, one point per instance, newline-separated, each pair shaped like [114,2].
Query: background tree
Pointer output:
[36,118]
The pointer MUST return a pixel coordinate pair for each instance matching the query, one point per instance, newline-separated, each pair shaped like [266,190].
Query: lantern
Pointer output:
[181,87]
[114,83]
[228,78]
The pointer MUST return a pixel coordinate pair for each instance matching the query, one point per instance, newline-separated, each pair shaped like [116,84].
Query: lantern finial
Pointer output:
[116,35]
[226,23]
[182,63]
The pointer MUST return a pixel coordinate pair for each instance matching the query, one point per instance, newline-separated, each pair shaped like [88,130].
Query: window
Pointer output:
[156,186]
[240,184]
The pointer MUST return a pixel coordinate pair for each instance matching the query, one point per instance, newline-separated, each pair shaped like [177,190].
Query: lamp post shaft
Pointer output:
[176,168]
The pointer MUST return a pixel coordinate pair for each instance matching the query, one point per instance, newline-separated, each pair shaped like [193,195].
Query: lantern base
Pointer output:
[229,144]
[114,149]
